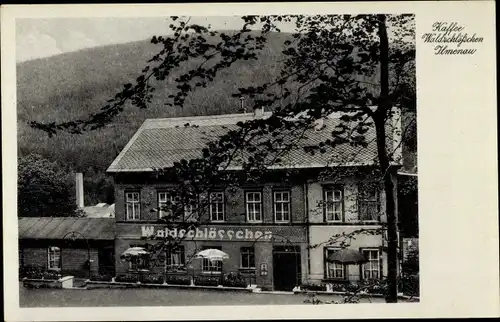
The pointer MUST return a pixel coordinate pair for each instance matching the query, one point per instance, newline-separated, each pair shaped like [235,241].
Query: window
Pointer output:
[175,258]
[247,257]
[282,206]
[167,202]
[334,270]
[368,204]
[254,206]
[132,201]
[138,263]
[54,258]
[190,213]
[211,266]
[217,206]
[333,205]
[371,269]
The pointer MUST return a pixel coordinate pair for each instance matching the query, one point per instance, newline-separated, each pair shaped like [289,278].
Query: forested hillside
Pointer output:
[72,85]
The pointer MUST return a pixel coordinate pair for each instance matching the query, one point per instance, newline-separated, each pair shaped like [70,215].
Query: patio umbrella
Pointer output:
[347,256]
[134,252]
[212,254]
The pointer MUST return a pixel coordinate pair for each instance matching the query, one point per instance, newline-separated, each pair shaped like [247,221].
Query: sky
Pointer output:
[37,38]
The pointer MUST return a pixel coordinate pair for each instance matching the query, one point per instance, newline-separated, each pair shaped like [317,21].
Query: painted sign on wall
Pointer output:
[213,233]
[263,269]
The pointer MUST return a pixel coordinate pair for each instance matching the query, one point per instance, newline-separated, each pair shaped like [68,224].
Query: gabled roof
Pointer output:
[160,142]
[58,227]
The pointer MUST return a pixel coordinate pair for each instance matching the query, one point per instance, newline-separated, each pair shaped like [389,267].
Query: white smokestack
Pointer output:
[258,112]
[79,190]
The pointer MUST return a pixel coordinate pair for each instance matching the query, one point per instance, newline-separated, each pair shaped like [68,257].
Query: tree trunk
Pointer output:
[386,169]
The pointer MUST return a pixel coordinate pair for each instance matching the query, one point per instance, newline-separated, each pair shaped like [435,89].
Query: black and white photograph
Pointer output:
[218,160]
[223,160]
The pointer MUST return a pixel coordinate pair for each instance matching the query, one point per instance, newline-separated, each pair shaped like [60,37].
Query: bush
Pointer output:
[207,280]
[313,287]
[44,188]
[234,280]
[126,278]
[32,271]
[152,279]
[40,285]
[410,266]
[410,285]
[336,287]
[101,278]
[353,288]
[178,279]
[51,275]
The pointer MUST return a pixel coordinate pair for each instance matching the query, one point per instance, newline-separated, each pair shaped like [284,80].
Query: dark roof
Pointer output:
[160,142]
[58,227]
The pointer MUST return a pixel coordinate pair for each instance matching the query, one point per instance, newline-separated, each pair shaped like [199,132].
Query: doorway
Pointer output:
[106,261]
[286,267]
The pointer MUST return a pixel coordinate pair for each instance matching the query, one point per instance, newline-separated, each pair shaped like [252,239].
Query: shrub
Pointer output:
[352,288]
[126,278]
[152,279]
[102,278]
[40,285]
[178,279]
[313,287]
[410,285]
[336,287]
[234,280]
[207,280]
[44,188]
[32,271]
[410,265]
[51,275]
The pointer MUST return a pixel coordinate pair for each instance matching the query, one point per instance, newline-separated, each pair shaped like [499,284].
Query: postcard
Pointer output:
[249,161]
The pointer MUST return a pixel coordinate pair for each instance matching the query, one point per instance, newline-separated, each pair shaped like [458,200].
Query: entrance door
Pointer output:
[106,260]
[286,268]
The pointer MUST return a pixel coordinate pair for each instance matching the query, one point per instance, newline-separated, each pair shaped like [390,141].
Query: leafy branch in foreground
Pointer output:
[214,51]
[336,64]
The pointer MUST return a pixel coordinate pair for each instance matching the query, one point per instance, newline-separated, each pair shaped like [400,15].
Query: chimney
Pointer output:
[258,112]
[79,190]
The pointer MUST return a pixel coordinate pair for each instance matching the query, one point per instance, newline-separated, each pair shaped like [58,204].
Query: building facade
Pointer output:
[350,214]
[269,249]
[276,234]
[69,246]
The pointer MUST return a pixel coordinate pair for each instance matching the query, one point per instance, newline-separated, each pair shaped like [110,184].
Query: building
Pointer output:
[266,229]
[100,210]
[347,209]
[351,200]
[67,245]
